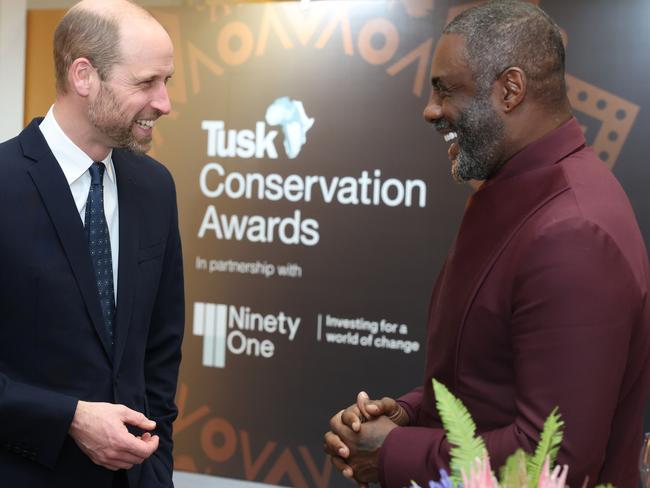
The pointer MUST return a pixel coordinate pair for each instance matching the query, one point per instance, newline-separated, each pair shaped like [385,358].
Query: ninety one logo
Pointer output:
[210,322]
[221,327]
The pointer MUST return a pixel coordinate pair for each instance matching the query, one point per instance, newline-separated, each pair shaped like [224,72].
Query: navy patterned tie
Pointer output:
[99,243]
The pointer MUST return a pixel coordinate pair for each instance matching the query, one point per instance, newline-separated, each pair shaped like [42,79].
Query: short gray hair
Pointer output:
[510,33]
[92,31]
[85,34]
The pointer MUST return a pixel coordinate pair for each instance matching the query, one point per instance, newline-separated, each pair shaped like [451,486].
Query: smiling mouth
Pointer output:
[450,136]
[146,124]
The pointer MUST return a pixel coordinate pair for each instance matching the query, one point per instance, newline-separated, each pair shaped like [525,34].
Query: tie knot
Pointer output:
[97,173]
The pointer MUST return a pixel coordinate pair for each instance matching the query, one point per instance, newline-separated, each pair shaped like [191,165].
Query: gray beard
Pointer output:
[480,134]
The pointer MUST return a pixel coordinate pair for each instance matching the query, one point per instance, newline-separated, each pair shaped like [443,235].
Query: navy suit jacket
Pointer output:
[54,349]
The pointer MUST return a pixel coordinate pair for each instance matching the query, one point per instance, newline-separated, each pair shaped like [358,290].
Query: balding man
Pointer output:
[543,298]
[92,290]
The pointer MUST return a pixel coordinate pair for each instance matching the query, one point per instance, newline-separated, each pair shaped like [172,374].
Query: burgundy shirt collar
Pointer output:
[545,151]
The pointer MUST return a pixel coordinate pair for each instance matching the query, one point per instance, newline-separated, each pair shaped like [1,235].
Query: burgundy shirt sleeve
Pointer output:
[415,450]
[411,402]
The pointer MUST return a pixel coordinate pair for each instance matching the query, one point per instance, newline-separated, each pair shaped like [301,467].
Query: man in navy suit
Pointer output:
[91,324]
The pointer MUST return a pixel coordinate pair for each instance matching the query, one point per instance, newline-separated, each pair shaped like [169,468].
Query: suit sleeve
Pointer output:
[575,301]
[163,355]
[34,421]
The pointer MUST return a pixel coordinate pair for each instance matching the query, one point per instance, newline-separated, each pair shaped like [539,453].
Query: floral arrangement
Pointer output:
[470,464]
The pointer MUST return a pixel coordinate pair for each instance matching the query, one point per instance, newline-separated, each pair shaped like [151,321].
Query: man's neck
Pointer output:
[532,127]
[74,123]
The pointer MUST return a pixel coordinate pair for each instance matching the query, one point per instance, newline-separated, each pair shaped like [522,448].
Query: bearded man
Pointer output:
[92,289]
[543,298]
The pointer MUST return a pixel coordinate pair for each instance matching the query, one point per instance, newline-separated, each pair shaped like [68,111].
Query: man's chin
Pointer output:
[456,171]
[140,146]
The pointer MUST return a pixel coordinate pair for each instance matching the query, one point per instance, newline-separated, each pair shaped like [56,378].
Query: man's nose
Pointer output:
[161,100]
[433,110]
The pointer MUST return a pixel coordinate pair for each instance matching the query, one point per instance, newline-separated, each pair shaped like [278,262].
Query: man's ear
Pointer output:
[81,76]
[512,88]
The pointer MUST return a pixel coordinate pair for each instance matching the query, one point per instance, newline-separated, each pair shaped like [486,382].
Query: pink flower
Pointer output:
[556,479]
[480,475]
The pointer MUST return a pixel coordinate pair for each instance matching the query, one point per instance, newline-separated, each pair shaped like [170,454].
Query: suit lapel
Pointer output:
[57,199]
[487,227]
[127,267]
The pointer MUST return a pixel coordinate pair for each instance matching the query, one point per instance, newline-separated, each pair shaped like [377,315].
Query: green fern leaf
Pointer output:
[549,445]
[513,474]
[461,432]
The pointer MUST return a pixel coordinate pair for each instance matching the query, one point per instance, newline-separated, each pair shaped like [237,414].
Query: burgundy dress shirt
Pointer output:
[542,302]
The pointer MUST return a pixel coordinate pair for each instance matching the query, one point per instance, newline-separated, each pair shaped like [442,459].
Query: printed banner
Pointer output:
[317,207]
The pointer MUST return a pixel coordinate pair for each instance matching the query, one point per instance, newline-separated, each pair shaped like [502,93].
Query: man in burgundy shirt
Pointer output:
[542,300]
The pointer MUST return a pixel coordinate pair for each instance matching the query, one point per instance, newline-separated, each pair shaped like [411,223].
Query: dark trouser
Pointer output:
[119,480]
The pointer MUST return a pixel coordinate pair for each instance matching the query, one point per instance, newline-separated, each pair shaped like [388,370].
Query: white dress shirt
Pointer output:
[75,163]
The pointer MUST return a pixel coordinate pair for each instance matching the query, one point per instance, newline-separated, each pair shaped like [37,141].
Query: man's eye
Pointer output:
[443,92]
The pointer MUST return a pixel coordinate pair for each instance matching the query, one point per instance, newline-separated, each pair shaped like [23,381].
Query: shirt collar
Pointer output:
[545,151]
[73,161]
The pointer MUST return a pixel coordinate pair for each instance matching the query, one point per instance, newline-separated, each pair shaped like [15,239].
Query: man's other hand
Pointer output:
[356,454]
[99,429]
[375,408]
[352,418]
[367,409]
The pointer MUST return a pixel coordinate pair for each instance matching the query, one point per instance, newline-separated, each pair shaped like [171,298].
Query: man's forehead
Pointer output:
[148,42]
[450,57]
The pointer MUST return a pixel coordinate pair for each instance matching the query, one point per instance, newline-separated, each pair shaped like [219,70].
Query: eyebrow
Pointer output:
[437,83]
[150,77]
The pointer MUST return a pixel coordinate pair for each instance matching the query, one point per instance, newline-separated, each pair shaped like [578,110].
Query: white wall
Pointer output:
[12,66]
